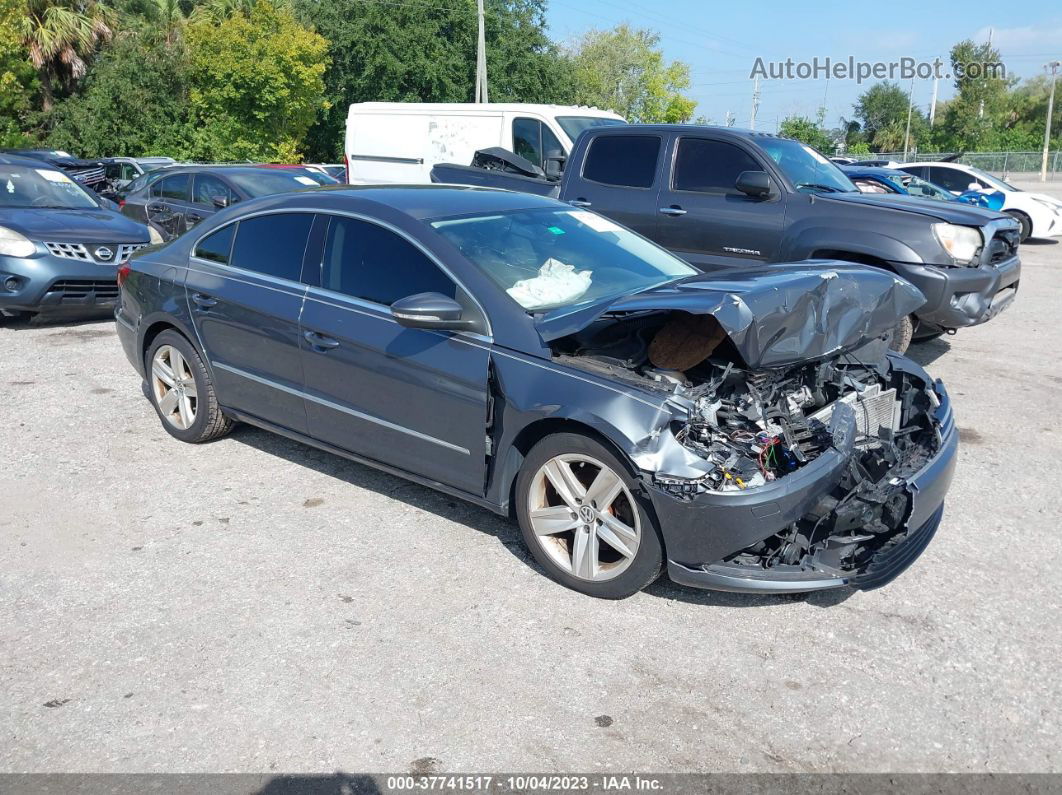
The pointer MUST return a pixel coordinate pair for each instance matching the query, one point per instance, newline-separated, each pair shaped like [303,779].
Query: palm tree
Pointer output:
[60,35]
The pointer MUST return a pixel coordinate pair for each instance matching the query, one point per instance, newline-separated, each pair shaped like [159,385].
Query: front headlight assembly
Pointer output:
[15,244]
[963,243]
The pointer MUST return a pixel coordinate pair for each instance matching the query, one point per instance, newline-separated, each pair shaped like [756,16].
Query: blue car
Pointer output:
[874,179]
[60,245]
[746,431]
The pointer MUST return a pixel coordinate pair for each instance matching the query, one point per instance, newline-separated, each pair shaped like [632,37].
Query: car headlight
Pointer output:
[153,236]
[14,244]
[961,242]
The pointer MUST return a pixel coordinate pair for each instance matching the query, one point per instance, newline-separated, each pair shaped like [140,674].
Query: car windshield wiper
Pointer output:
[820,186]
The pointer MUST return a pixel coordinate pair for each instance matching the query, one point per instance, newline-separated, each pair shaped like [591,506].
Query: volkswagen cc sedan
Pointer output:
[749,432]
[59,244]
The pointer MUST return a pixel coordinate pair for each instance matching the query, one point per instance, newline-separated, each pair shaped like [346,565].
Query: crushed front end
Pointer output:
[826,473]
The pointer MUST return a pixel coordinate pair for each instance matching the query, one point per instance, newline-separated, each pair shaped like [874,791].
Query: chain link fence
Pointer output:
[1003,164]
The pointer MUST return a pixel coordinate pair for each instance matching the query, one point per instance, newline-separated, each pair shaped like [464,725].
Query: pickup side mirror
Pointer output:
[429,310]
[756,184]
[221,202]
[554,163]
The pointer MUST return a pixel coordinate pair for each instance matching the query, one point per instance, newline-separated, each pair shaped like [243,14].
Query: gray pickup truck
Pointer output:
[721,197]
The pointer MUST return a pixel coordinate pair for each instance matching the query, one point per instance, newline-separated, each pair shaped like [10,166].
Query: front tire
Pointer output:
[1025,221]
[181,391]
[584,520]
[901,334]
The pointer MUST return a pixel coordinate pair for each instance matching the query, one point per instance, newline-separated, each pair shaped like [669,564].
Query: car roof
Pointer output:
[419,202]
[18,160]
[933,163]
[873,171]
[733,132]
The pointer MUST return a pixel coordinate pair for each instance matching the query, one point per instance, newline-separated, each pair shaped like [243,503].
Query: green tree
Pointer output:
[808,131]
[17,81]
[624,70]
[60,35]
[134,101]
[882,111]
[974,117]
[411,52]
[256,84]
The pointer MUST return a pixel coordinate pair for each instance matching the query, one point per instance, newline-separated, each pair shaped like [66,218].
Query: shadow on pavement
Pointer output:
[480,519]
[925,353]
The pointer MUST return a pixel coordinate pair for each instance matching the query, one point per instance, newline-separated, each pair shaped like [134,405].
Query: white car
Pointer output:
[1040,215]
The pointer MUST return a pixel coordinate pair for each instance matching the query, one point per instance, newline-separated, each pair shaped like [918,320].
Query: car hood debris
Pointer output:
[774,315]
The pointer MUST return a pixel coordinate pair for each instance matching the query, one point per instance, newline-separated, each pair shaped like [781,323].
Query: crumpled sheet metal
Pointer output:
[779,315]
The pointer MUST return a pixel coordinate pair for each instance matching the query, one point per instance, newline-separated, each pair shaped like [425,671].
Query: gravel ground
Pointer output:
[255,605]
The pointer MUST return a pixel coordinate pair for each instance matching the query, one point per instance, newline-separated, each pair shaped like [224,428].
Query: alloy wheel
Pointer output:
[584,517]
[174,387]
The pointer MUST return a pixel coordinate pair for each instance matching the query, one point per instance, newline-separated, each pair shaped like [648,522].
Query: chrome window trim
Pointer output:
[359,217]
[345,409]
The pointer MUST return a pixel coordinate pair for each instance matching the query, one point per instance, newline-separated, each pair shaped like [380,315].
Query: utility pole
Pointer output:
[1053,66]
[981,107]
[907,133]
[755,102]
[728,122]
[481,57]
[933,102]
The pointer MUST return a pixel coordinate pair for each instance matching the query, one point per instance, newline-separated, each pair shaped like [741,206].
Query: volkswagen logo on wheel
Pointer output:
[103,253]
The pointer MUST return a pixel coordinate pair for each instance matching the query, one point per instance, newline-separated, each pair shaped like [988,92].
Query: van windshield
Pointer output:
[574,125]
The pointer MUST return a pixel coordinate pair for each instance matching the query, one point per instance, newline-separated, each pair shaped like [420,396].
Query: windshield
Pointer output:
[268,181]
[21,186]
[553,258]
[806,169]
[573,125]
[919,187]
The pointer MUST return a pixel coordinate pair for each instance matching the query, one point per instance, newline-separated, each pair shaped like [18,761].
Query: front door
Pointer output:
[245,295]
[706,220]
[414,399]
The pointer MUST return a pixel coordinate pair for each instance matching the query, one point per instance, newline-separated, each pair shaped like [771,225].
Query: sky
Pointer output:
[722,40]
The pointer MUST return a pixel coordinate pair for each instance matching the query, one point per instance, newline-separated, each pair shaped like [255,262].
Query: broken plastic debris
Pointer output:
[556,283]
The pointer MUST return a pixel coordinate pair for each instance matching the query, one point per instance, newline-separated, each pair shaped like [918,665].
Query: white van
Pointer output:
[399,142]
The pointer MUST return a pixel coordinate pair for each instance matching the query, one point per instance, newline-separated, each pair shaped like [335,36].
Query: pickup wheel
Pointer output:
[1024,220]
[901,334]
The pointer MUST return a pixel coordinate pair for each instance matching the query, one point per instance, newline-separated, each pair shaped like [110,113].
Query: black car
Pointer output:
[173,200]
[60,244]
[749,431]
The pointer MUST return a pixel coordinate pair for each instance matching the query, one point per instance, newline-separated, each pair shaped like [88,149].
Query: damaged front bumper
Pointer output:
[702,529]
[961,297]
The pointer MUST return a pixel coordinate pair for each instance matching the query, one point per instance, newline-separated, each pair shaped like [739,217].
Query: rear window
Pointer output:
[269,181]
[272,244]
[625,160]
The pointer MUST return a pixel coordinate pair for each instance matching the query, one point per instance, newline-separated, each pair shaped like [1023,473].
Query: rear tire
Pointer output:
[182,392]
[595,533]
[901,334]
[1024,220]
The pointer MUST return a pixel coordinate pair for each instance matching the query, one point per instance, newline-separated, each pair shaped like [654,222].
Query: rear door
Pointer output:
[618,179]
[167,203]
[245,294]
[704,218]
[414,399]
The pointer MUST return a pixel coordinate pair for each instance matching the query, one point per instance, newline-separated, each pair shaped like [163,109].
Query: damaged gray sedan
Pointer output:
[747,431]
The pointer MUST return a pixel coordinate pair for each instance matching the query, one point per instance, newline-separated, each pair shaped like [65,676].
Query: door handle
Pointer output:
[319,342]
[579,203]
[204,301]
[673,211]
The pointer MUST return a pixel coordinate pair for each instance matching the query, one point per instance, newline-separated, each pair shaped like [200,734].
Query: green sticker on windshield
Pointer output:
[555,230]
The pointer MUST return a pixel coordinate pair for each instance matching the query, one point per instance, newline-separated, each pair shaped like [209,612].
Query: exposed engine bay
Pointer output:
[756,428]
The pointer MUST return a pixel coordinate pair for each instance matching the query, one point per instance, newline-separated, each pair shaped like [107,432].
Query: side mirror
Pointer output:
[756,184]
[555,161]
[221,202]
[428,310]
